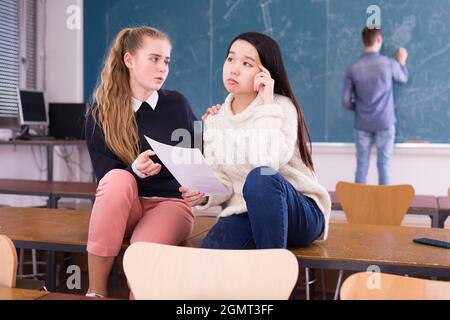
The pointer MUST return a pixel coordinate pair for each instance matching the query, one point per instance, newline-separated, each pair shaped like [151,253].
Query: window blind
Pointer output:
[9,57]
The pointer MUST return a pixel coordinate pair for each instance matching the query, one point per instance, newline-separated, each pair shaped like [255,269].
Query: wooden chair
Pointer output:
[156,271]
[380,286]
[8,262]
[367,204]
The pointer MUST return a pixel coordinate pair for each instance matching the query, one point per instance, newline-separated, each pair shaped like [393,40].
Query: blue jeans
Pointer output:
[385,145]
[278,217]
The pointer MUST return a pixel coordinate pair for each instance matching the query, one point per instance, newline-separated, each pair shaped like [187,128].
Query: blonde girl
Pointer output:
[137,197]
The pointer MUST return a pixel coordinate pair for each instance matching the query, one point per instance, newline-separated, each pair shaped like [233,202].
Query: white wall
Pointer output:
[425,166]
[63,83]
[64,80]
[64,53]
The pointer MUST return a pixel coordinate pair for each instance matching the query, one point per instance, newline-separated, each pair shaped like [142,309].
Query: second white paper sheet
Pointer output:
[189,167]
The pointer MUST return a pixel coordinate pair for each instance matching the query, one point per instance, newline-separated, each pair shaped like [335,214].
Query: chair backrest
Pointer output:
[8,262]
[366,204]
[156,271]
[379,286]
[449,193]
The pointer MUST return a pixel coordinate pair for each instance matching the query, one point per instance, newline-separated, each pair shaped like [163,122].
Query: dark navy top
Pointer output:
[172,112]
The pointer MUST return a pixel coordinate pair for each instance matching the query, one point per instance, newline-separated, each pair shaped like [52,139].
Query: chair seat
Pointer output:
[380,286]
[156,271]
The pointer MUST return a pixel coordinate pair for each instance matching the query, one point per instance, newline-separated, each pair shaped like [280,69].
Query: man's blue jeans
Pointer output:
[385,145]
[278,217]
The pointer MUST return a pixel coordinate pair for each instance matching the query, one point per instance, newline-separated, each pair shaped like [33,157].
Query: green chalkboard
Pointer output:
[319,40]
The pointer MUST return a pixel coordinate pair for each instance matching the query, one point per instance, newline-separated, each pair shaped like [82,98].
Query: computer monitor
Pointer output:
[67,120]
[32,109]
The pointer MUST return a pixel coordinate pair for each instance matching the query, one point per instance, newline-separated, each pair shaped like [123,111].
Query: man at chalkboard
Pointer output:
[368,91]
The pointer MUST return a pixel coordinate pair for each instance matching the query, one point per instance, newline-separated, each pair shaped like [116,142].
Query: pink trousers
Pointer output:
[119,213]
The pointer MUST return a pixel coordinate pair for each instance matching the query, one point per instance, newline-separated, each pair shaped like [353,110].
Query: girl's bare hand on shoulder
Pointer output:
[212,111]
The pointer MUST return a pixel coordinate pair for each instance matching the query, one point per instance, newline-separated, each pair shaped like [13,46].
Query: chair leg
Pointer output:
[338,285]
[307,283]
[57,275]
[114,274]
[322,275]
[34,260]
[21,262]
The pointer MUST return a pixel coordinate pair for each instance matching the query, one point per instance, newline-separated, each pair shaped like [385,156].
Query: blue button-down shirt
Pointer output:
[368,90]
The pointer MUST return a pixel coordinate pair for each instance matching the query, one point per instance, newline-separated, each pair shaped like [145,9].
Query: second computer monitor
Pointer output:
[67,120]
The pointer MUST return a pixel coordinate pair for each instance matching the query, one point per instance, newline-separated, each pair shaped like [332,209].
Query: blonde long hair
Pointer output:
[113,110]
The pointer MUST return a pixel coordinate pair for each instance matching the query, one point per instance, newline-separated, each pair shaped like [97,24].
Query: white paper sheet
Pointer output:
[189,168]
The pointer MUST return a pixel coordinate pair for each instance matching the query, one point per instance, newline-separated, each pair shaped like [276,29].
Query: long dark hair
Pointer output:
[270,55]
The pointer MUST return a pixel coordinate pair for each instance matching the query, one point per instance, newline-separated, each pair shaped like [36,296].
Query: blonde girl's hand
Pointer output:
[264,85]
[212,111]
[145,165]
[192,198]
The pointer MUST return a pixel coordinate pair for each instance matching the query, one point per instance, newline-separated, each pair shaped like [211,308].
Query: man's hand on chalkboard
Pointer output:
[264,85]
[211,111]
[402,56]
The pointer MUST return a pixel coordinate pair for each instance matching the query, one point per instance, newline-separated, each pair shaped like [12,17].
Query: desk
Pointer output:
[63,230]
[444,209]
[67,296]
[26,187]
[24,294]
[51,189]
[49,144]
[356,247]
[20,294]
[421,205]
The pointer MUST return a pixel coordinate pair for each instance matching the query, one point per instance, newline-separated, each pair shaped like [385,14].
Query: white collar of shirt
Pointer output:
[152,101]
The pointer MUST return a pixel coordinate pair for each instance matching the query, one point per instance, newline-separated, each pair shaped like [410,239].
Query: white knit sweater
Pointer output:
[261,135]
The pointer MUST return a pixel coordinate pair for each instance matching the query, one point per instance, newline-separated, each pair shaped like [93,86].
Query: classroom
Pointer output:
[344,107]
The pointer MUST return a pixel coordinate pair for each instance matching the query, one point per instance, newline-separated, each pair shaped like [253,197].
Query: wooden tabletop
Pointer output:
[61,226]
[25,294]
[74,188]
[444,204]
[423,204]
[20,294]
[40,187]
[45,225]
[379,244]
[68,296]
